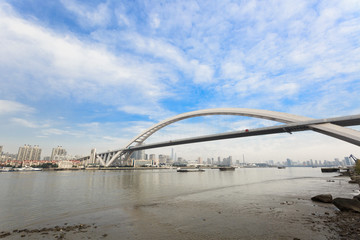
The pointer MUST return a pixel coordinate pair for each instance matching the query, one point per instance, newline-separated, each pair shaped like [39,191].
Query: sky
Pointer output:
[94,74]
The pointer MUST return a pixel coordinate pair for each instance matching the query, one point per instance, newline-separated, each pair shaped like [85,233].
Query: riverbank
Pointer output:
[346,223]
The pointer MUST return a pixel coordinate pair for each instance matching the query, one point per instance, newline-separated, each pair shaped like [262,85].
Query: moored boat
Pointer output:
[227,168]
[330,169]
[6,169]
[190,170]
[27,169]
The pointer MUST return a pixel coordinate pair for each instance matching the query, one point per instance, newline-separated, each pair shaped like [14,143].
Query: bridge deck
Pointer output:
[283,128]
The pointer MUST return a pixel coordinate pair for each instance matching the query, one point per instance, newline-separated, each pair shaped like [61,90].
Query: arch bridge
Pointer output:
[334,127]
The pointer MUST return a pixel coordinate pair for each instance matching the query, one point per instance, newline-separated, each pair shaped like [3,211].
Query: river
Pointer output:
[248,203]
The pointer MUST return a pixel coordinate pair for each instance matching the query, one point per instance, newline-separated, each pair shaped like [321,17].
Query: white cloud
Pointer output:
[233,70]
[10,107]
[37,62]
[157,48]
[26,123]
[203,73]
[56,131]
[90,125]
[287,89]
[155,21]
[87,16]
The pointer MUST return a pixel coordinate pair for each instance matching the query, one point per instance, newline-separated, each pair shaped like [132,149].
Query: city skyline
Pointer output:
[30,153]
[95,74]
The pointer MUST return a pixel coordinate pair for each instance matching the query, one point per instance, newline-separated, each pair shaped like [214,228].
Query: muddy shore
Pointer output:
[346,223]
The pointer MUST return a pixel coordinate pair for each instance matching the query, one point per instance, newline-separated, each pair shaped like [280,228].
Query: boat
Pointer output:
[27,169]
[281,167]
[6,169]
[330,169]
[227,168]
[190,170]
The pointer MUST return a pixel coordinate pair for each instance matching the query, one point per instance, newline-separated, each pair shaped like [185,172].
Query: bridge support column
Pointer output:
[101,161]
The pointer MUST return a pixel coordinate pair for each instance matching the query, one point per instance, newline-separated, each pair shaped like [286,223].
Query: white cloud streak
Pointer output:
[11,107]
[87,16]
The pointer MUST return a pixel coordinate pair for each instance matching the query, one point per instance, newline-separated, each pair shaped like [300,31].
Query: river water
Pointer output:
[248,203]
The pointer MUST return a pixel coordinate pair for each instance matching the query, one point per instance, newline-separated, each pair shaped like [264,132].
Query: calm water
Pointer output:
[246,203]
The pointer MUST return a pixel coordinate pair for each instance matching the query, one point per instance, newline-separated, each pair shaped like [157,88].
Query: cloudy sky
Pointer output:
[84,74]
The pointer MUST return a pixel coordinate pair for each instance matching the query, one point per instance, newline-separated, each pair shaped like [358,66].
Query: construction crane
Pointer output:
[353,158]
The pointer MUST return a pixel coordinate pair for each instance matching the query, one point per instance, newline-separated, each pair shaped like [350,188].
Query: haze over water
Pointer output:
[147,204]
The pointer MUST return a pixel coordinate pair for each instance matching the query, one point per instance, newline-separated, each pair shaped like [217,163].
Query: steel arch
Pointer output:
[329,129]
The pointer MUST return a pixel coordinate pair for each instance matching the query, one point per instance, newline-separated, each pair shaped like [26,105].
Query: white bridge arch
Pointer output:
[346,134]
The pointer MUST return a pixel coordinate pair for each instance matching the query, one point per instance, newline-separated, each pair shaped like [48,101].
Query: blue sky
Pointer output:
[85,74]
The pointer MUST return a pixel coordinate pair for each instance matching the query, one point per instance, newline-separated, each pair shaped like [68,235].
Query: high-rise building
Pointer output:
[58,153]
[347,161]
[27,152]
[288,162]
[92,156]
[36,154]
[230,160]
[227,161]
[138,155]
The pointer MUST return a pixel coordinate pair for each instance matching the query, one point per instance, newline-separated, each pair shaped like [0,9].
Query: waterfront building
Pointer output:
[143,163]
[65,164]
[27,152]
[58,153]
[163,158]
